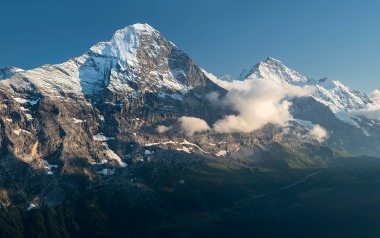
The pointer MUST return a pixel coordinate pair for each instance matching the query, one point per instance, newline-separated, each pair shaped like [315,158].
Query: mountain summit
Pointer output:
[126,42]
[137,58]
[276,70]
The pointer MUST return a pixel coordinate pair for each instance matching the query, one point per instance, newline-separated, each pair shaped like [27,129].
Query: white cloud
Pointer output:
[221,83]
[375,96]
[257,103]
[213,97]
[313,131]
[162,129]
[373,110]
[191,125]
[318,133]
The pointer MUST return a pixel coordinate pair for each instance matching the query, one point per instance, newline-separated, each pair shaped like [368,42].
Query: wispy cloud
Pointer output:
[191,125]
[258,103]
[162,129]
[375,96]
[318,133]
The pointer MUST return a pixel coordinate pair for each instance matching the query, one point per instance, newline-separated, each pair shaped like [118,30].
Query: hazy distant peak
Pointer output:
[274,69]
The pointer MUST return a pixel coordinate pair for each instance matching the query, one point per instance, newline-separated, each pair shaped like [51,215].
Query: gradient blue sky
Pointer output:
[333,38]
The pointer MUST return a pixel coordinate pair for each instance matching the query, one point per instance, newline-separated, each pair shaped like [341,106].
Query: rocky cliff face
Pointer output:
[112,92]
[95,113]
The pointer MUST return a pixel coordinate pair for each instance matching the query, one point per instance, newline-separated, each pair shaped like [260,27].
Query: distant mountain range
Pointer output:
[332,105]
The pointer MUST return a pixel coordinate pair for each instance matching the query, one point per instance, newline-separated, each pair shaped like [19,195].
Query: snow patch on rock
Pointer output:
[20,100]
[113,156]
[101,137]
[221,153]
[19,131]
[185,149]
[77,121]
[31,206]
[107,171]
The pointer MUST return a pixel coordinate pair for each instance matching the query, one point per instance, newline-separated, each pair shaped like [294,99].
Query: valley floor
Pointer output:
[215,200]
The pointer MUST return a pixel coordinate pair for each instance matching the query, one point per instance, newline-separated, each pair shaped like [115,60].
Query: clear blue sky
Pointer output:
[334,38]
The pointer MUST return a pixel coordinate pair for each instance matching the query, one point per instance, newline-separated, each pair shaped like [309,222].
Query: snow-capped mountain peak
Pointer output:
[276,70]
[137,59]
[140,52]
[334,94]
[271,60]
[125,43]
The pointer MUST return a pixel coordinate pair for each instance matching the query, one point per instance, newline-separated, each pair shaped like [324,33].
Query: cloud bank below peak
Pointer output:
[256,103]
[372,111]
[375,96]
